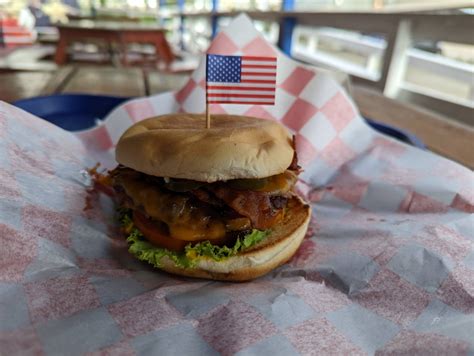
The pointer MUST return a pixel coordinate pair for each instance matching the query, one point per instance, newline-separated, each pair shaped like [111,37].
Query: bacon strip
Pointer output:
[264,209]
[206,197]
[256,206]
[294,163]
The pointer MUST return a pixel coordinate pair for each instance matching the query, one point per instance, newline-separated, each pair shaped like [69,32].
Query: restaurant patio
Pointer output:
[155,152]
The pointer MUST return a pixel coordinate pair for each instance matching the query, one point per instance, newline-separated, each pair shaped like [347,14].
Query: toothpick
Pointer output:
[208,112]
[208,117]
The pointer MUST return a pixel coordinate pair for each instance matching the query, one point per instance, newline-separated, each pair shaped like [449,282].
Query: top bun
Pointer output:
[180,146]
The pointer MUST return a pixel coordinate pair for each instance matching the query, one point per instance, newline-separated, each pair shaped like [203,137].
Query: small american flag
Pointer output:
[241,79]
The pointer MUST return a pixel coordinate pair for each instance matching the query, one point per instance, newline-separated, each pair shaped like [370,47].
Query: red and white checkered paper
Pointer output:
[387,266]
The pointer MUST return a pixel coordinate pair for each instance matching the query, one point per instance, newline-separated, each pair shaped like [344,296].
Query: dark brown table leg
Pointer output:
[163,50]
[122,45]
[60,56]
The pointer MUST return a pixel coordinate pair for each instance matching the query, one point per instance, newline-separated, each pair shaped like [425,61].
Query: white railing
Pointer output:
[442,67]
[385,65]
[306,47]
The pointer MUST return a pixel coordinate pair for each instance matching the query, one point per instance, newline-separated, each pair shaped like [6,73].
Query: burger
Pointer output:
[215,203]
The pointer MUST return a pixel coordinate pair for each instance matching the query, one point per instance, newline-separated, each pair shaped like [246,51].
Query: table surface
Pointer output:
[445,137]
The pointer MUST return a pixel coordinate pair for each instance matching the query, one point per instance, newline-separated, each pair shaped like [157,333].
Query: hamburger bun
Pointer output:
[262,258]
[180,146]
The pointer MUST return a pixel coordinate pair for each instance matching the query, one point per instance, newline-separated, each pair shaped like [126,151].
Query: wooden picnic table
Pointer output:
[119,33]
[443,136]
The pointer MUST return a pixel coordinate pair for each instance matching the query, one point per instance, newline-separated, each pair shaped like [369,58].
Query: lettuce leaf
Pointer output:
[145,251]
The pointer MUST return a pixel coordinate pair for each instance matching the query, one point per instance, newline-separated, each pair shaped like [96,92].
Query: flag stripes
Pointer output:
[241,79]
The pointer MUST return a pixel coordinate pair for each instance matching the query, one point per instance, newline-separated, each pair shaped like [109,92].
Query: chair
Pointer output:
[72,112]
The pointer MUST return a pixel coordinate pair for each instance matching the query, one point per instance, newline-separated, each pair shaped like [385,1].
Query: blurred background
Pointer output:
[418,52]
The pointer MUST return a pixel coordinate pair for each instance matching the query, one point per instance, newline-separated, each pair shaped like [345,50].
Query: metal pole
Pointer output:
[287,26]
[214,18]
[181,23]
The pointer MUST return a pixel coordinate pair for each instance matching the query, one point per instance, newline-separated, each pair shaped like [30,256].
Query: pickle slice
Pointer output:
[238,224]
[183,185]
[279,183]
[247,184]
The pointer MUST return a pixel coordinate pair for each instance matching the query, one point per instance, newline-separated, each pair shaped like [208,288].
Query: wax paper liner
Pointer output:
[386,266]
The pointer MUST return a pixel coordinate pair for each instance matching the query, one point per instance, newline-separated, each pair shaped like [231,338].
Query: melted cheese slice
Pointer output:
[186,221]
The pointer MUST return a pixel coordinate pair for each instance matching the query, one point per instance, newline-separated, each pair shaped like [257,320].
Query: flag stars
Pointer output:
[223,68]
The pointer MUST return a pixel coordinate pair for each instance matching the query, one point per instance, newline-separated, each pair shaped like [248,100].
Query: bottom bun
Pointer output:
[275,250]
